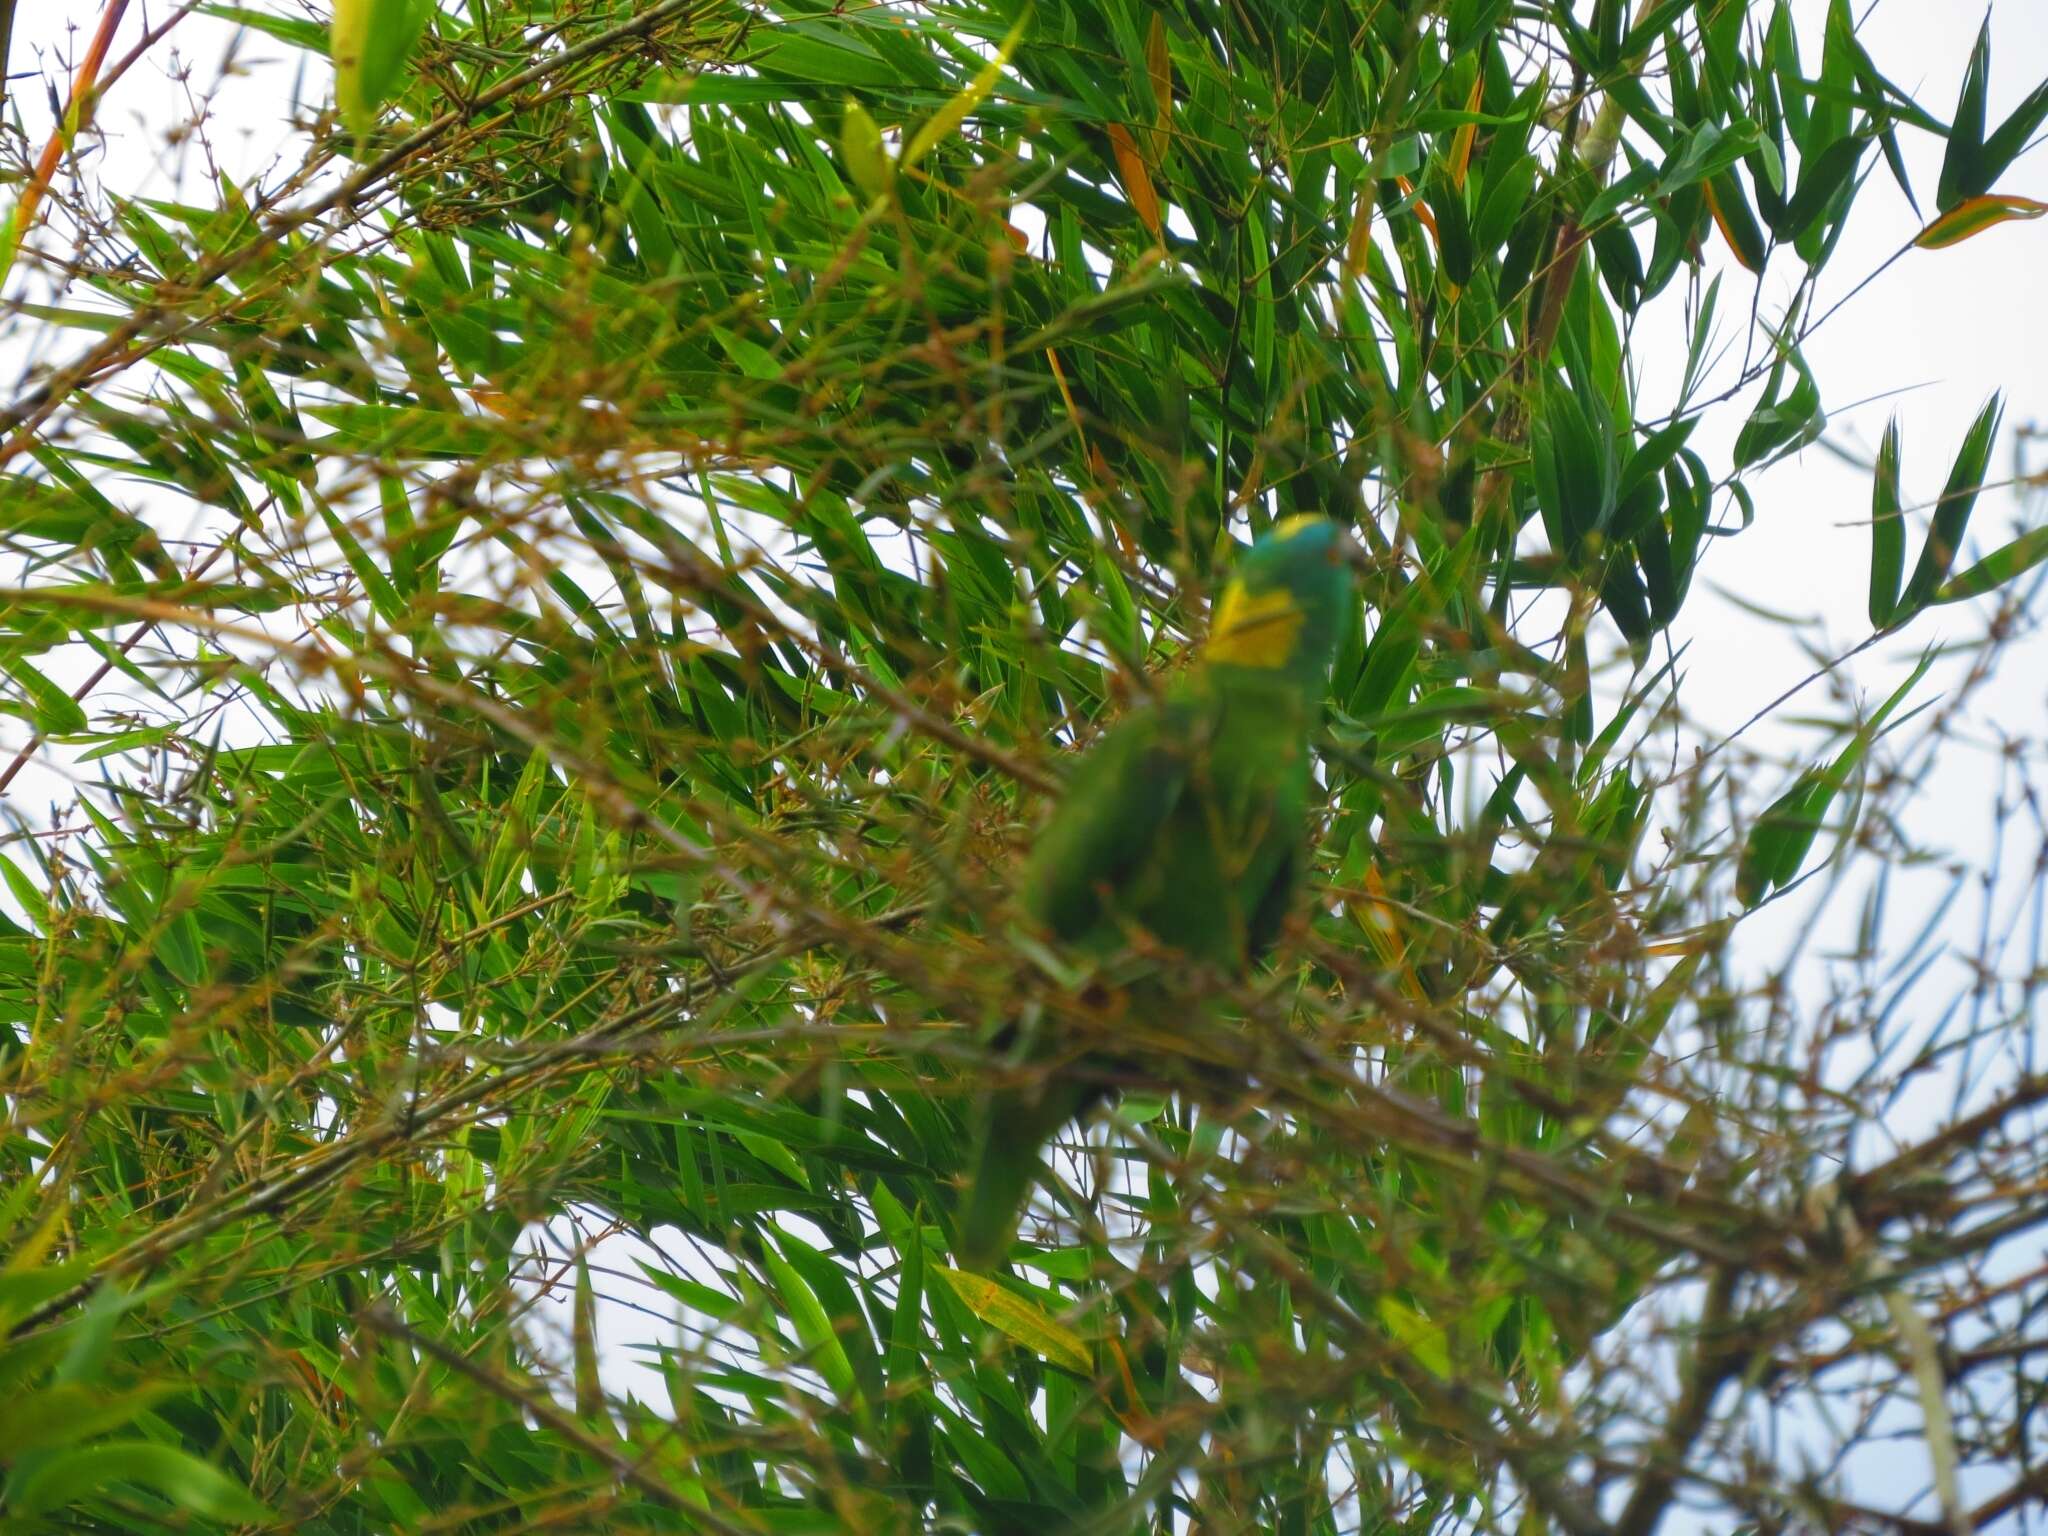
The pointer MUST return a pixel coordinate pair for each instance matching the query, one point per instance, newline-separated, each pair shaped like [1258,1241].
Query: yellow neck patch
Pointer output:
[1249,631]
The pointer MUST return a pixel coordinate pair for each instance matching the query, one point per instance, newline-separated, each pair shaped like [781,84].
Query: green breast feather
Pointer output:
[1181,831]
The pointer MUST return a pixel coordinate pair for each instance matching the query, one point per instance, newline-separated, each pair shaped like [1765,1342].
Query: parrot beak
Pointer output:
[1351,552]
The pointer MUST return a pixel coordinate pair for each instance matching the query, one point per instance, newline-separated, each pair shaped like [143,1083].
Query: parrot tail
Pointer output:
[1014,1130]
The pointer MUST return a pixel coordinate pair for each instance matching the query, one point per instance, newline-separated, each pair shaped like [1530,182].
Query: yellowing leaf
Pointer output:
[1421,208]
[1059,377]
[1359,240]
[1159,66]
[1381,921]
[954,113]
[1975,215]
[1130,170]
[1461,141]
[1014,1317]
[1725,201]
[583,1341]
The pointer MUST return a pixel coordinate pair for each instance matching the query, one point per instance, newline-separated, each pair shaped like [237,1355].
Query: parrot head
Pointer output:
[1283,611]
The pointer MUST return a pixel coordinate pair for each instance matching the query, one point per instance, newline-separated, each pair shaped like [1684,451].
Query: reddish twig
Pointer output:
[75,114]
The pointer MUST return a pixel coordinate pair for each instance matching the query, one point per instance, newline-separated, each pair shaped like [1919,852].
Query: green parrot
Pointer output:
[1184,829]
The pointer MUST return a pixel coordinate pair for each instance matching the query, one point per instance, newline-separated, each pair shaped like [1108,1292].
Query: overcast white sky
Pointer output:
[1929,340]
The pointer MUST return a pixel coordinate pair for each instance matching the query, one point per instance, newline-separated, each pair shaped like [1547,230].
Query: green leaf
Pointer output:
[54,711]
[1782,423]
[1821,180]
[943,123]
[2013,135]
[1887,530]
[1778,844]
[309,35]
[809,51]
[1729,205]
[1423,1339]
[1616,1050]
[860,146]
[76,1476]
[906,1360]
[1952,514]
[1648,24]
[1962,166]
[25,1283]
[1996,569]
[1782,837]
[1648,460]
[823,1350]
[694,1293]
[1707,152]
[583,1342]
[1781,53]
[369,43]
[376,585]
[66,1412]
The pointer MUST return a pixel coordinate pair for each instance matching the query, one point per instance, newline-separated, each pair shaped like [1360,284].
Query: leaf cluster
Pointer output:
[605,561]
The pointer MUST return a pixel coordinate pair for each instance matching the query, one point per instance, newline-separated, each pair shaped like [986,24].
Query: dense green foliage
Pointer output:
[580,589]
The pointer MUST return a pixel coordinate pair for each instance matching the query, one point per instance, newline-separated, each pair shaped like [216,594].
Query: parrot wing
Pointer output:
[1106,830]
[1101,840]
[1276,901]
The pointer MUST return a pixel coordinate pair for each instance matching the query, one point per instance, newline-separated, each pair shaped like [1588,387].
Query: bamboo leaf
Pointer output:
[860,146]
[369,43]
[948,118]
[1137,182]
[1729,205]
[1973,216]
[1887,530]
[77,1476]
[1997,569]
[583,1338]
[1017,1319]
[1952,513]
[1159,72]
[1778,844]
[1962,165]
[54,711]
[823,1350]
